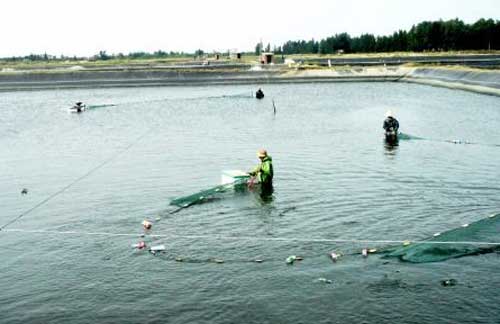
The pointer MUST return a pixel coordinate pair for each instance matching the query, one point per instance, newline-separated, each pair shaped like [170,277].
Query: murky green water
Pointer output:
[334,178]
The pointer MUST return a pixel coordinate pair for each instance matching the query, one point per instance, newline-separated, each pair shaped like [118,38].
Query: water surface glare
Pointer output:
[334,178]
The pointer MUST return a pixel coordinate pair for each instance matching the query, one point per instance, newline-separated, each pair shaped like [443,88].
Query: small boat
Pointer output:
[78,108]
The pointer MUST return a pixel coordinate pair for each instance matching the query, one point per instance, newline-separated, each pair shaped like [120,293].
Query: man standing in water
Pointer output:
[259,94]
[264,172]
[391,126]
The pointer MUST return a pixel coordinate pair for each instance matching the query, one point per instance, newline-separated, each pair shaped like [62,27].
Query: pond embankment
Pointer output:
[482,81]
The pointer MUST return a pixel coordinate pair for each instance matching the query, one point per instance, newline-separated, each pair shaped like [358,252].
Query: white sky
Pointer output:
[86,27]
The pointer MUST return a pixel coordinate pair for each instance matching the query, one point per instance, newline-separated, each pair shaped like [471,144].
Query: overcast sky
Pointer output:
[86,27]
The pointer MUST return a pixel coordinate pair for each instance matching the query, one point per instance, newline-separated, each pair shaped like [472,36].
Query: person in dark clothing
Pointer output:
[79,107]
[259,94]
[391,126]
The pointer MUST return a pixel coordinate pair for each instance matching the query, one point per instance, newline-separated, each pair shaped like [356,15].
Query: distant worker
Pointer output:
[391,126]
[259,94]
[79,107]
[264,171]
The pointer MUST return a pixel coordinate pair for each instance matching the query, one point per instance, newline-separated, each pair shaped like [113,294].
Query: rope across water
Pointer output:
[250,238]
[55,194]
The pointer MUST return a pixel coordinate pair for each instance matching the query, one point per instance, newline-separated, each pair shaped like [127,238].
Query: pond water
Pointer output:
[111,167]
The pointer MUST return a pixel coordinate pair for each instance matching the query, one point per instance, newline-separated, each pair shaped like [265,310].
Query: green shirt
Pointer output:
[264,171]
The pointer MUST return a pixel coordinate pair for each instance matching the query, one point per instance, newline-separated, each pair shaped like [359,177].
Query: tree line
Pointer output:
[101,56]
[450,35]
[427,36]
[104,56]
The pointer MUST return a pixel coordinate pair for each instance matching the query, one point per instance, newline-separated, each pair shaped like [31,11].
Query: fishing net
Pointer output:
[479,237]
[404,136]
[100,106]
[211,194]
[232,96]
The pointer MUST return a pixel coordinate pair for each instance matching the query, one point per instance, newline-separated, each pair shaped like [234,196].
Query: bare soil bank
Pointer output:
[482,81]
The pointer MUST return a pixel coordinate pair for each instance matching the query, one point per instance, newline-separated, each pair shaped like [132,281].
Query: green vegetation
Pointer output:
[427,36]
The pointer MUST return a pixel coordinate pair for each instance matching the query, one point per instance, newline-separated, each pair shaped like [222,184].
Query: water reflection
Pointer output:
[391,145]
[264,193]
[264,198]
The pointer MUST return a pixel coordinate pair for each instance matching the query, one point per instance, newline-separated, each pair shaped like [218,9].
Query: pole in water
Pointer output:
[274,107]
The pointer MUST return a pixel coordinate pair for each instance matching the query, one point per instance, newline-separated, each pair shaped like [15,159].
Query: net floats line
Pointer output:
[60,191]
[249,238]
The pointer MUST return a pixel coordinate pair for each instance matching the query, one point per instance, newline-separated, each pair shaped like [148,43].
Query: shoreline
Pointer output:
[468,79]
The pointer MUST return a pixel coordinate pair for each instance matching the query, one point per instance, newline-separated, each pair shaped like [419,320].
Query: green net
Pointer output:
[479,237]
[100,106]
[403,136]
[240,183]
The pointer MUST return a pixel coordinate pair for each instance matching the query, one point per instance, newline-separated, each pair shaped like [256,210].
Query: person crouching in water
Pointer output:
[264,172]
[259,94]
[391,126]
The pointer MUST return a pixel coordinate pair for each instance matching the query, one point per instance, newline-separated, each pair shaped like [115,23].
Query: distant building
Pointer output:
[266,57]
